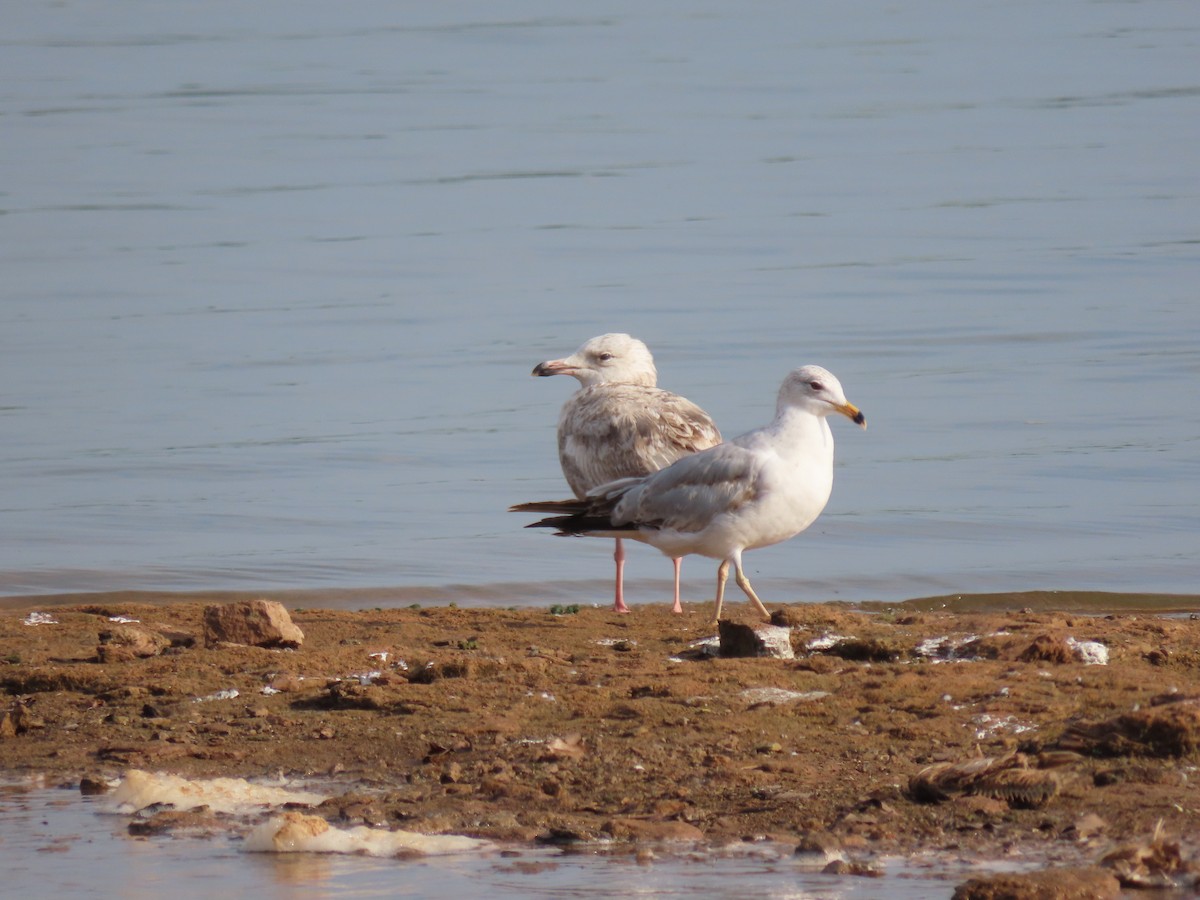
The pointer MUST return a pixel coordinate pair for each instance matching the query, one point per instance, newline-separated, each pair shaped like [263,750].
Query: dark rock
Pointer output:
[755,640]
[1049,884]
[92,786]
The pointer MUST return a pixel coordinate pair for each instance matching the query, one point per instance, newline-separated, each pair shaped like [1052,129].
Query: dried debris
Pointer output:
[1021,781]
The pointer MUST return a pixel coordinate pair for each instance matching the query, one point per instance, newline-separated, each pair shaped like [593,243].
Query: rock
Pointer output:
[177,636]
[1090,653]
[819,849]
[1169,727]
[257,623]
[755,640]
[846,867]
[93,786]
[773,696]
[569,748]
[643,830]
[123,643]
[287,684]
[1049,884]
[355,695]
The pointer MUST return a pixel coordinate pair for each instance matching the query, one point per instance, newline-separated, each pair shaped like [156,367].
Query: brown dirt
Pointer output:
[524,725]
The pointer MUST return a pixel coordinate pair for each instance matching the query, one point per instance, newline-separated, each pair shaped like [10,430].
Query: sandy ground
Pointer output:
[1045,735]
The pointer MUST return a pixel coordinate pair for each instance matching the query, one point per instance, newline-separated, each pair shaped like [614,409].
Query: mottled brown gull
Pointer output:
[758,489]
[620,425]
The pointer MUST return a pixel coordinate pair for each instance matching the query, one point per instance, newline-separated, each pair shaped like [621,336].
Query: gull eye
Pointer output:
[816,385]
[605,357]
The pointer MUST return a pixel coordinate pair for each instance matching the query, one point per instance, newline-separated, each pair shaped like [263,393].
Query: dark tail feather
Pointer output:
[579,524]
[552,506]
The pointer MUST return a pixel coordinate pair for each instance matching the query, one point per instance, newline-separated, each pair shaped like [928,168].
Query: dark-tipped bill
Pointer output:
[853,413]
[552,367]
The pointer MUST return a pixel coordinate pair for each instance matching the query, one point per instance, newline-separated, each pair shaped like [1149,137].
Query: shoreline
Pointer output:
[501,596]
[523,726]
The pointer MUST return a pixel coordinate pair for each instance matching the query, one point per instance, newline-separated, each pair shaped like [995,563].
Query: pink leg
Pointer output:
[678,607]
[619,556]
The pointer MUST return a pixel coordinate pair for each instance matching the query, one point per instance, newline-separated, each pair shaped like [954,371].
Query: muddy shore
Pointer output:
[1024,733]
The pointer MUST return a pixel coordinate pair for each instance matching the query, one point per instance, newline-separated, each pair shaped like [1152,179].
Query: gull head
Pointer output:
[818,391]
[607,359]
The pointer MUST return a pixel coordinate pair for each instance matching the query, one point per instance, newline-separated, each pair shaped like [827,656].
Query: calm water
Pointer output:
[275,275]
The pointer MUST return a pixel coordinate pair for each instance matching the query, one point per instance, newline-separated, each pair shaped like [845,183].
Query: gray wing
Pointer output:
[612,431]
[688,495]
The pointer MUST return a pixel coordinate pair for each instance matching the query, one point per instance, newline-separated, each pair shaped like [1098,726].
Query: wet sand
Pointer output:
[916,728]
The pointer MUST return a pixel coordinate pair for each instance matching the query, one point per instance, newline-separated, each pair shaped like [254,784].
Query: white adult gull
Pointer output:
[619,424]
[758,489]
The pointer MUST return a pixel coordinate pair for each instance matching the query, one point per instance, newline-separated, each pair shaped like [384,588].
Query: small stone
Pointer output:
[92,786]
[845,867]
[123,643]
[287,684]
[819,849]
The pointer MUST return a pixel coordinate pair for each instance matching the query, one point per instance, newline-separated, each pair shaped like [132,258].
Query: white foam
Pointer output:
[139,789]
[295,832]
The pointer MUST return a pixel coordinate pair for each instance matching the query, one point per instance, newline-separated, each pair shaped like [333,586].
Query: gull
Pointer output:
[620,425]
[759,489]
